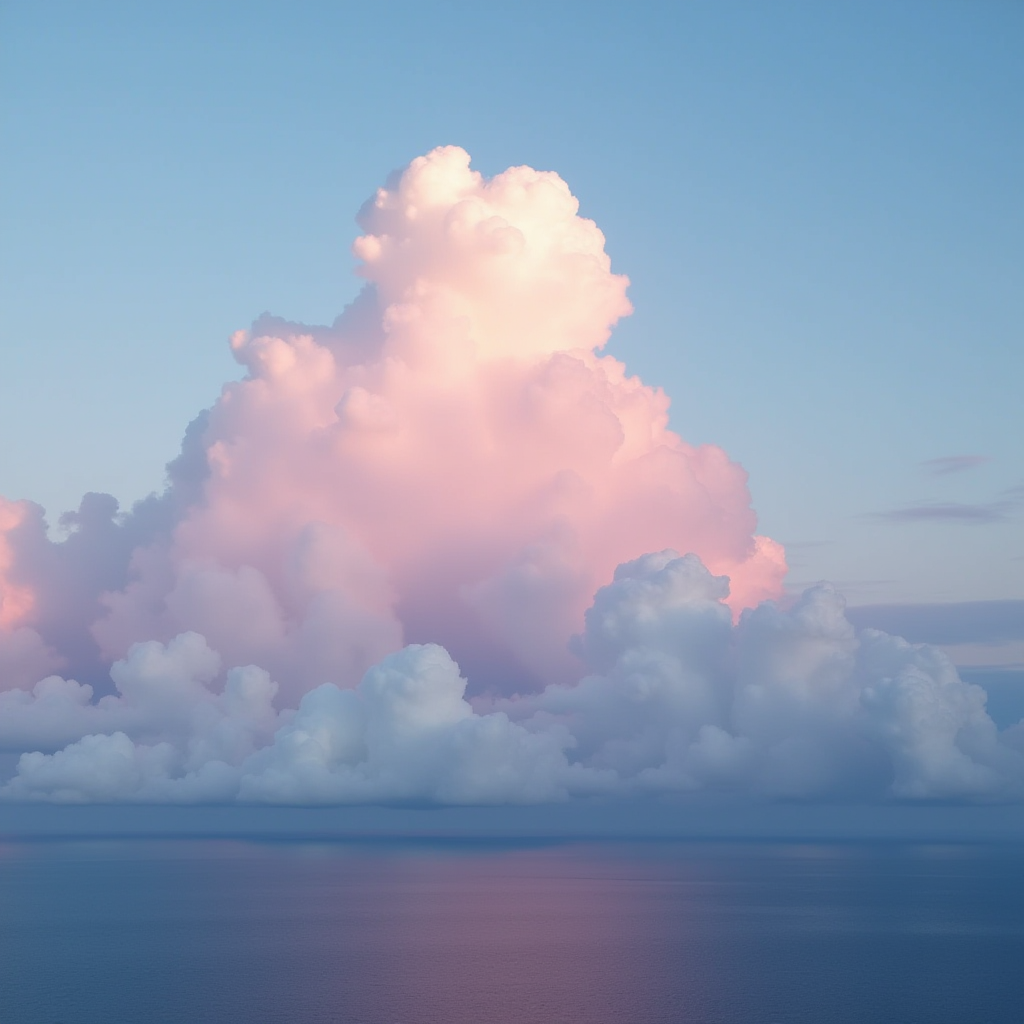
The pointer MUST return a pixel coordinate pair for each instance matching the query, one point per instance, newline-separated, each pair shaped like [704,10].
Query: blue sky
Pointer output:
[819,207]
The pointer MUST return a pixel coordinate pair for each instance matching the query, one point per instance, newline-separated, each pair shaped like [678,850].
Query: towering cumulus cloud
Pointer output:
[455,467]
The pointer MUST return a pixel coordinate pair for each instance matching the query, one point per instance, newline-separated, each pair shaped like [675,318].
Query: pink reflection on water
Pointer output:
[520,936]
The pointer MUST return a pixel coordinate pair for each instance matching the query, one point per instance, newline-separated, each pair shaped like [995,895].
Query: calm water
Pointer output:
[250,932]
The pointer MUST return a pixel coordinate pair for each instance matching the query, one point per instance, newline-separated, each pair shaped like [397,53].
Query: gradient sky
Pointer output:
[819,207]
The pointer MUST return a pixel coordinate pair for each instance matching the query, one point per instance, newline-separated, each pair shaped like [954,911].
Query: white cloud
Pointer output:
[786,703]
[406,734]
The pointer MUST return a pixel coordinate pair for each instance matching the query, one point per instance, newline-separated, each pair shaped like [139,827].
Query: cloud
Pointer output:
[406,734]
[402,561]
[165,734]
[452,461]
[1001,509]
[787,704]
[947,464]
[784,703]
[950,512]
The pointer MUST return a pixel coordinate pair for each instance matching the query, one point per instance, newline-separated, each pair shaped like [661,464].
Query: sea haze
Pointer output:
[233,930]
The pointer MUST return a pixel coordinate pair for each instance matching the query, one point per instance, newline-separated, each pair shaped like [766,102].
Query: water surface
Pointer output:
[249,932]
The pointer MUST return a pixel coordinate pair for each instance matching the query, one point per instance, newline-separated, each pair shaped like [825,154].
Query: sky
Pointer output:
[818,208]
[819,213]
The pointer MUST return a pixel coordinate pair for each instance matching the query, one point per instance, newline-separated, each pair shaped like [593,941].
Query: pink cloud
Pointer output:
[454,463]
[16,599]
[432,553]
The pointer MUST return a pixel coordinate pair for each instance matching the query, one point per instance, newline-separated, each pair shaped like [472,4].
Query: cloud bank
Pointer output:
[676,698]
[453,482]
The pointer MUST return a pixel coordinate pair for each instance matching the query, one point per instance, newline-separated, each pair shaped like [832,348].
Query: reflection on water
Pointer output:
[253,933]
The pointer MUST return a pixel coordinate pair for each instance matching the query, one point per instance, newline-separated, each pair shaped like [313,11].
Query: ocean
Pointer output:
[249,931]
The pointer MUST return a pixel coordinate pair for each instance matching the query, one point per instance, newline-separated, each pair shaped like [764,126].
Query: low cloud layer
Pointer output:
[676,698]
[451,483]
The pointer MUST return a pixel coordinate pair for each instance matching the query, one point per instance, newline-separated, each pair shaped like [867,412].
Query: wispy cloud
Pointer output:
[950,512]
[947,464]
